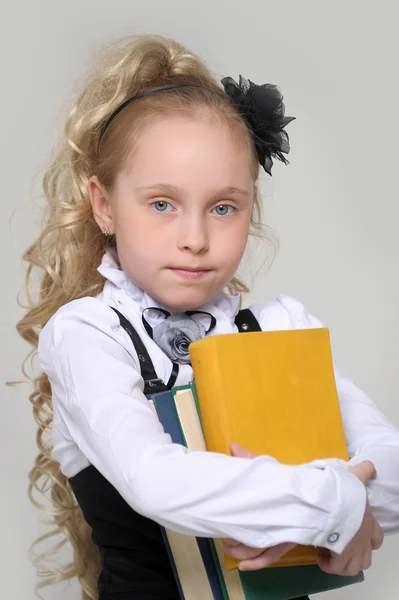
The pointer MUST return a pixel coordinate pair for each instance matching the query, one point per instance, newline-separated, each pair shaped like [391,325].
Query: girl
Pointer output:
[151,200]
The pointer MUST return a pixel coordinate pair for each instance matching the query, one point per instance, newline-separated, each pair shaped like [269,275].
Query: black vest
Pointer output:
[134,561]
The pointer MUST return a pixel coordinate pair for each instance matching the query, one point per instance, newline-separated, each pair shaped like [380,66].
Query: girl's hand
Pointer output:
[356,556]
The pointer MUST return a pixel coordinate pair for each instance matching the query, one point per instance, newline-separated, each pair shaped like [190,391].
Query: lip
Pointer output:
[190,272]
[192,269]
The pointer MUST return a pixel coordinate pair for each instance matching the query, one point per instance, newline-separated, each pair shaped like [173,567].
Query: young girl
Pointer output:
[151,200]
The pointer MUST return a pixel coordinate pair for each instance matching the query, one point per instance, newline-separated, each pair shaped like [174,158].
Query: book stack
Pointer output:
[273,393]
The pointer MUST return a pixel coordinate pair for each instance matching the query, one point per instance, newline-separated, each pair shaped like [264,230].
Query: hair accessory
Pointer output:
[261,105]
[105,231]
[176,332]
[263,108]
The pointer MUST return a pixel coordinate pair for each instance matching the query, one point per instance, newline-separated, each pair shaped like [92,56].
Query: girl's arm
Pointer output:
[100,406]
[369,434]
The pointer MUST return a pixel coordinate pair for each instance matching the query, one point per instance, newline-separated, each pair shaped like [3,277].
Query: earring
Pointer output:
[105,231]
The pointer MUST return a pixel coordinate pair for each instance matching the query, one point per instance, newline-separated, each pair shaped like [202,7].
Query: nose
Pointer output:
[193,235]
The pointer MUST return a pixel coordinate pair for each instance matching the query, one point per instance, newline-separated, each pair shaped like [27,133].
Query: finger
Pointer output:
[333,564]
[323,552]
[231,542]
[323,560]
[243,552]
[367,559]
[350,571]
[261,562]
[268,557]
[356,565]
[364,471]
[240,452]
[377,538]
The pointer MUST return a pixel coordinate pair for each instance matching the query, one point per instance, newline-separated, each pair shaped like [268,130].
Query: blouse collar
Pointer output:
[228,304]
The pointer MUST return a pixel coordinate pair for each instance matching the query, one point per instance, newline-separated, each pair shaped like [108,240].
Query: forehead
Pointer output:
[184,151]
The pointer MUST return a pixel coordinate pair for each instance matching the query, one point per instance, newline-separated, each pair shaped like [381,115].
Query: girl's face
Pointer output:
[180,210]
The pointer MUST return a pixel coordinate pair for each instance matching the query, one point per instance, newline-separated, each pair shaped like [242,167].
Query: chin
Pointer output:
[188,300]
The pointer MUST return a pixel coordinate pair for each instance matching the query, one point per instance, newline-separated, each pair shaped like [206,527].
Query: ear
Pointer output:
[100,204]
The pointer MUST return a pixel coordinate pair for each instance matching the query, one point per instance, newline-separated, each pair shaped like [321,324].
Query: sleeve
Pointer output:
[369,434]
[99,393]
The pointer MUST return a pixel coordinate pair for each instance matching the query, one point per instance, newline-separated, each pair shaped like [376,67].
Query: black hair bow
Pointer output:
[263,107]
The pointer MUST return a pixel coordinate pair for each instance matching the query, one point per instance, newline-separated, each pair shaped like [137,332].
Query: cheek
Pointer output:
[234,239]
[134,229]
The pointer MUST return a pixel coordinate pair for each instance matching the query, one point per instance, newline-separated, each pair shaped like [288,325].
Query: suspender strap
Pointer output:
[246,321]
[152,383]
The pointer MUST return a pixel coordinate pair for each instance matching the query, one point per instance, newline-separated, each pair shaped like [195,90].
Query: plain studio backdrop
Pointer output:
[335,207]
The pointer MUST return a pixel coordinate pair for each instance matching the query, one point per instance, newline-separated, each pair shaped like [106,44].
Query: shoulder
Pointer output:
[85,324]
[77,315]
[285,312]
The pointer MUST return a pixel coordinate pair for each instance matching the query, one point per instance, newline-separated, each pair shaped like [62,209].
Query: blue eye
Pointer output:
[224,211]
[161,205]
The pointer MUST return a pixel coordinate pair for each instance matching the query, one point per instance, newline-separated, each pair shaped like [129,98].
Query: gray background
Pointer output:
[335,207]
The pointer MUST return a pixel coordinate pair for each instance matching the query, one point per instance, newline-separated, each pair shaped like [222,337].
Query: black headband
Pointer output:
[261,105]
[161,88]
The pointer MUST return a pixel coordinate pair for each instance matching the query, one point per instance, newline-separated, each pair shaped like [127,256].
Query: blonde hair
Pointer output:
[70,246]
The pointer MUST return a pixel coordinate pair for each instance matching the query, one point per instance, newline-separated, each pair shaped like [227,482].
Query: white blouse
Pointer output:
[102,417]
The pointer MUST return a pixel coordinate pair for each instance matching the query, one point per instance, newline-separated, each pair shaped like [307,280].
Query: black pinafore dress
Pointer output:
[133,557]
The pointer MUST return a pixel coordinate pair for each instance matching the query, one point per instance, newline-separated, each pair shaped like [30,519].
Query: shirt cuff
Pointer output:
[350,508]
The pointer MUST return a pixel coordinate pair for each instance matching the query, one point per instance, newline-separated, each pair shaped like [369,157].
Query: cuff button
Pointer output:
[334,537]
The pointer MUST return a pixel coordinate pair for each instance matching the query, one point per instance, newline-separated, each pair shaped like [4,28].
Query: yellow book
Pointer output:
[274,393]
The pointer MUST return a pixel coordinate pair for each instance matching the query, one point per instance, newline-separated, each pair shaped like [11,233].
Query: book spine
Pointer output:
[196,570]
[166,539]
[191,426]
[211,400]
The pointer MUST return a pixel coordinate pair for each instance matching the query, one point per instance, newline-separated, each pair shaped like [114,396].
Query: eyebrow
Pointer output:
[167,187]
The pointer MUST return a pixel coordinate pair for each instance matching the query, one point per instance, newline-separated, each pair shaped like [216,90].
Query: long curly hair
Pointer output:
[65,256]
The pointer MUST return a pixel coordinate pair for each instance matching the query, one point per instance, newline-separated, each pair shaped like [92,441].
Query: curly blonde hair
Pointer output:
[70,246]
